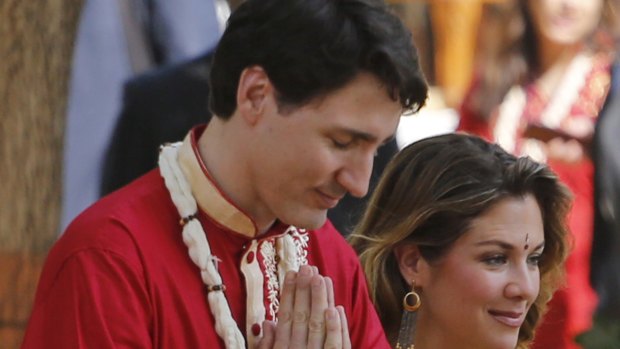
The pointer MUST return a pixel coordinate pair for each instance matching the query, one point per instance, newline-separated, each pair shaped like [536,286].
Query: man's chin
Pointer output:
[310,221]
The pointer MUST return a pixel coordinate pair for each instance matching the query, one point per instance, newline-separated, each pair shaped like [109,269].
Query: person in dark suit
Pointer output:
[163,105]
[605,263]
[158,106]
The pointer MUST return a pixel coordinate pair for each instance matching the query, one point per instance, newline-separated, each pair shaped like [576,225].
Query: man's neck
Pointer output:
[222,150]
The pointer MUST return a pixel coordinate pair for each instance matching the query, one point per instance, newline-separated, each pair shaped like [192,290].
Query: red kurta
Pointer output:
[572,307]
[121,277]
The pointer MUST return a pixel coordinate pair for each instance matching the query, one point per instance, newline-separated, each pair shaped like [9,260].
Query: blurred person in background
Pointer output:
[115,41]
[606,245]
[544,74]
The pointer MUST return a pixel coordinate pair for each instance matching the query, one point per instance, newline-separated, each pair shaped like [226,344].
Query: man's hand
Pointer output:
[307,317]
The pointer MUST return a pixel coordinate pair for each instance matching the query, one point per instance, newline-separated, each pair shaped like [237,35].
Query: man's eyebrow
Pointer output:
[389,139]
[360,135]
[366,136]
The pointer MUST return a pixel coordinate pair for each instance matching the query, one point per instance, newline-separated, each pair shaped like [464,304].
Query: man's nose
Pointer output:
[355,174]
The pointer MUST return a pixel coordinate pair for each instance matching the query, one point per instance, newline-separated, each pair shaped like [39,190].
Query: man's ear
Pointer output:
[411,264]
[253,93]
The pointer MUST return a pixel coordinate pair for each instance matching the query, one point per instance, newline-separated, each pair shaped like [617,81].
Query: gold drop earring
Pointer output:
[406,333]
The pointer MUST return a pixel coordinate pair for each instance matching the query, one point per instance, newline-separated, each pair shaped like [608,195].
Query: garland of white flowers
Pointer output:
[558,108]
[195,239]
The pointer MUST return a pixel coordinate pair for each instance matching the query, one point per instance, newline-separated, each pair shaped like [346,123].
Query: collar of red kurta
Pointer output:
[210,198]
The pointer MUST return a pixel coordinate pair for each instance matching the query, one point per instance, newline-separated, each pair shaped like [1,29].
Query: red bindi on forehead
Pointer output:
[527,241]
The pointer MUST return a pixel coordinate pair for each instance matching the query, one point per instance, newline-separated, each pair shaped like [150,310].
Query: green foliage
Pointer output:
[605,334]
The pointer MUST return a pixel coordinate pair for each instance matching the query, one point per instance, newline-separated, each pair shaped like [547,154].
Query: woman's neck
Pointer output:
[430,335]
[552,54]
[553,61]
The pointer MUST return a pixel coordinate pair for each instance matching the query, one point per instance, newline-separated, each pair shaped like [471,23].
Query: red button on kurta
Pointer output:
[250,257]
[256,329]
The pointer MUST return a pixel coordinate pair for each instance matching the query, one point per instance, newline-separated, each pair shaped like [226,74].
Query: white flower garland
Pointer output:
[195,239]
[291,249]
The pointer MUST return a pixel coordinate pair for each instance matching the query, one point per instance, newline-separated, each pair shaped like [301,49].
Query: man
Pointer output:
[303,94]
[163,105]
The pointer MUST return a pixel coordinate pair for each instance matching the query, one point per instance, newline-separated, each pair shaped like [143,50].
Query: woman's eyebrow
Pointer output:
[505,245]
[494,242]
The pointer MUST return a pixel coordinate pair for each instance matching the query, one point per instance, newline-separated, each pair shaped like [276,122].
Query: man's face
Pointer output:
[307,159]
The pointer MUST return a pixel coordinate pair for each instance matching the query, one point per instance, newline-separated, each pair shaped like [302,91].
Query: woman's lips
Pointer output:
[508,318]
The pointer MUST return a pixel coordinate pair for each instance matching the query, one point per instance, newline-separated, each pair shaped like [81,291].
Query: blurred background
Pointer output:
[63,69]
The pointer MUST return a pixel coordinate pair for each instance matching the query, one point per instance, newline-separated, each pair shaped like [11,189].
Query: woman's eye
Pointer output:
[534,259]
[495,260]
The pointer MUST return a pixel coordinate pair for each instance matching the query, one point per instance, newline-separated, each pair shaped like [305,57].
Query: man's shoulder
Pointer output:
[121,218]
[145,193]
[125,231]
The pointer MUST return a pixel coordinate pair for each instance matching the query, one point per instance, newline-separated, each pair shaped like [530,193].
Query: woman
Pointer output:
[545,77]
[475,232]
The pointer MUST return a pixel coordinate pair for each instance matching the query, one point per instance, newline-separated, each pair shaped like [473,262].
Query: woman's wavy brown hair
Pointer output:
[429,195]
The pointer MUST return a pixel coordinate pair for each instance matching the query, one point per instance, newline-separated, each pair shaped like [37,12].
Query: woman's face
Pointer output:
[478,294]
[565,22]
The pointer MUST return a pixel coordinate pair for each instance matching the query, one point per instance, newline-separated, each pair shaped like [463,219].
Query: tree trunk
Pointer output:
[35,57]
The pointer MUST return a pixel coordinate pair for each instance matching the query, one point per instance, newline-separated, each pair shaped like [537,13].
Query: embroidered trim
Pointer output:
[268,252]
[301,238]
[255,291]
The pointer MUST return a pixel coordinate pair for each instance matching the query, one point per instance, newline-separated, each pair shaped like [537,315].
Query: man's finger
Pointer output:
[329,286]
[285,312]
[346,339]
[301,308]
[269,335]
[333,334]
[316,326]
